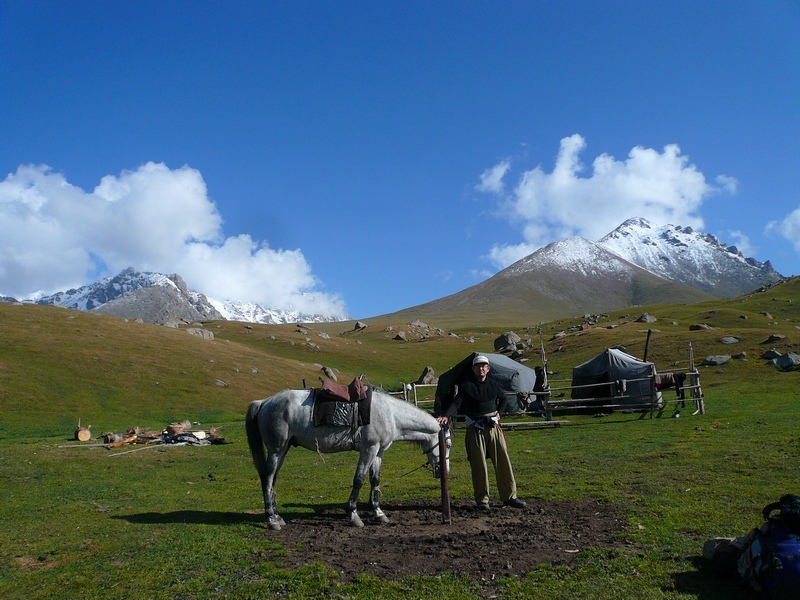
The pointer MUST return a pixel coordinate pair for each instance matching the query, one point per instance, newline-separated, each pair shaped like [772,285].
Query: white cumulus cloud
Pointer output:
[492,179]
[55,236]
[662,187]
[742,242]
[788,228]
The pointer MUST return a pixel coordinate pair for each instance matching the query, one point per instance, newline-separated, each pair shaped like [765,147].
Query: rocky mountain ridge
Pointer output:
[163,300]
[693,258]
[637,263]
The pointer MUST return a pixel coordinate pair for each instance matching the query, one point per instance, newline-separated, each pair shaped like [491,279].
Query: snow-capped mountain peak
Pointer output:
[690,257]
[250,312]
[126,294]
[92,296]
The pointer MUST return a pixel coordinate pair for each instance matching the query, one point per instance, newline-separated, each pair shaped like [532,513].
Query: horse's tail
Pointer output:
[254,439]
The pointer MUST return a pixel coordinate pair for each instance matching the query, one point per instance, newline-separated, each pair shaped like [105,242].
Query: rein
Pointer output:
[422,466]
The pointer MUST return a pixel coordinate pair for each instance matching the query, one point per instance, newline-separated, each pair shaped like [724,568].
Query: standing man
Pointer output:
[482,400]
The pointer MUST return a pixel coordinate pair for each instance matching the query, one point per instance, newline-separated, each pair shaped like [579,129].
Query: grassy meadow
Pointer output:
[187,522]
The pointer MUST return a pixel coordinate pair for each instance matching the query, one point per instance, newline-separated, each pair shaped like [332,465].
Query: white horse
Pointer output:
[286,420]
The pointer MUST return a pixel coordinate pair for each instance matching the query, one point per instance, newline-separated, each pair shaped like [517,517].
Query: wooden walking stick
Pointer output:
[444,475]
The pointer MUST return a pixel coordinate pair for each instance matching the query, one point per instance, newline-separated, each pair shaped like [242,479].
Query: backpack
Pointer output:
[770,562]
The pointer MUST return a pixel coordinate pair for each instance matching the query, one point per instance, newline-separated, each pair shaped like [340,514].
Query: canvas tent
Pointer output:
[616,378]
[516,379]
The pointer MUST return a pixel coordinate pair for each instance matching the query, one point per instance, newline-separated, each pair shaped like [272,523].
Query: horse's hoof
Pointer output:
[275,524]
[381,517]
[356,521]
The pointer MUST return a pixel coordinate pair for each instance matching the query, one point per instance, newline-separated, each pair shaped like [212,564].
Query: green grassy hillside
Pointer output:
[57,365]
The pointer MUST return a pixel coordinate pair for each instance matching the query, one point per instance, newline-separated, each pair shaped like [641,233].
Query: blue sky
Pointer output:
[364,157]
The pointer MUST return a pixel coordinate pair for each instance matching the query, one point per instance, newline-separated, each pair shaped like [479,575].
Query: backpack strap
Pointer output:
[769,509]
[789,513]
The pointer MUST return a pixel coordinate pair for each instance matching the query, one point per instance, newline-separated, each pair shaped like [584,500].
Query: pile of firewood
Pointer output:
[131,436]
[174,433]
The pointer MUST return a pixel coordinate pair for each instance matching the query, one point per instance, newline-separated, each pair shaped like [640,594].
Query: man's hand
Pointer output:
[442,420]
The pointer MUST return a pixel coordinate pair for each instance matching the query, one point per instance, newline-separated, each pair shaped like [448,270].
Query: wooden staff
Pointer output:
[647,345]
[444,475]
[544,358]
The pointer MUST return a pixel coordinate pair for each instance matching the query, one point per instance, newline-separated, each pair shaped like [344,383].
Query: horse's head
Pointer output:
[433,454]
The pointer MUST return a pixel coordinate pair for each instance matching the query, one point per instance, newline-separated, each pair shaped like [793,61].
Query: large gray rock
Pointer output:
[428,377]
[715,361]
[200,332]
[506,340]
[790,360]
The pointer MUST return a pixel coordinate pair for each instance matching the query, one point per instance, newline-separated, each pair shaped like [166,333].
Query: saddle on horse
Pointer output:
[342,405]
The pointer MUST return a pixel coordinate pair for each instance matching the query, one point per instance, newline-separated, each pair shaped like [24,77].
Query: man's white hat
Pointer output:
[480,359]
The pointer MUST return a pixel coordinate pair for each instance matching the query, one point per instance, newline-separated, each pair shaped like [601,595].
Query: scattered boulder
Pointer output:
[428,377]
[729,339]
[200,332]
[700,327]
[787,361]
[509,339]
[775,337]
[715,361]
[329,373]
[646,318]
[740,356]
[359,326]
[401,335]
[770,354]
[790,360]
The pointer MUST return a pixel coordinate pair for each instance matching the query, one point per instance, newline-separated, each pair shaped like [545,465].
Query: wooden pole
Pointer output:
[444,479]
[647,345]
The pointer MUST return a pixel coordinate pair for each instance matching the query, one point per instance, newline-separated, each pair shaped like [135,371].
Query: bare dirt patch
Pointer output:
[506,542]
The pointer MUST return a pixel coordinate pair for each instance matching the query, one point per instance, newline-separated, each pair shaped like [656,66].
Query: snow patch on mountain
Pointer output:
[250,312]
[574,254]
[104,290]
[690,257]
[128,282]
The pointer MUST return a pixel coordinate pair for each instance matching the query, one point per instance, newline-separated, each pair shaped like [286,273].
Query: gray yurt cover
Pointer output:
[622,374]
[513,377]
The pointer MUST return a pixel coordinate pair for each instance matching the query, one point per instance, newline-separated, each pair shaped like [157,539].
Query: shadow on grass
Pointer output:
[706,584]
[193,517]
[301,512]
